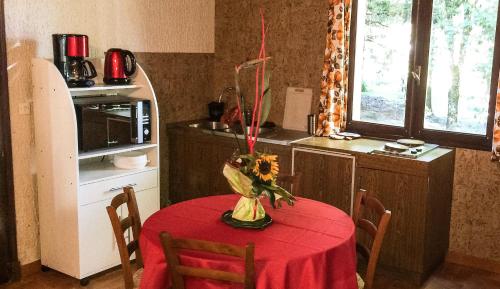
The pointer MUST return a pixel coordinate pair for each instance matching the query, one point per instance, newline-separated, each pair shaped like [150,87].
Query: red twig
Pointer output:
[262,55]
[253,133]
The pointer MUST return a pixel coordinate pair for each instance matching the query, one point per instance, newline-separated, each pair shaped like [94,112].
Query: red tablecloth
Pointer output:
[310,245]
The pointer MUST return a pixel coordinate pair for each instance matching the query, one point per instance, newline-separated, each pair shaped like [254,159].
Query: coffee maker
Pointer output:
[70,51]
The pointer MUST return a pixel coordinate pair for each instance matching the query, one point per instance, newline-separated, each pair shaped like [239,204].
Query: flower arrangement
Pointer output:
[253,174]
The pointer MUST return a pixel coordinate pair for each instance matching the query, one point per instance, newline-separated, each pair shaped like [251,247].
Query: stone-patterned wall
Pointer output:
[295,41]
[475,214]
[183,87]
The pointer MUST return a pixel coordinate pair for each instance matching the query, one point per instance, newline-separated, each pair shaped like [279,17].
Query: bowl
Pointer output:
[130,160]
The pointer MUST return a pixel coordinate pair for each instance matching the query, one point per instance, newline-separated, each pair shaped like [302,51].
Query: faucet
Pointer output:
[224,90]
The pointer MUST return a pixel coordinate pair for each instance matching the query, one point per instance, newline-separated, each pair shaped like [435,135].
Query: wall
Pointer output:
[475,225]
[183,85]
[296,41]
[180,26]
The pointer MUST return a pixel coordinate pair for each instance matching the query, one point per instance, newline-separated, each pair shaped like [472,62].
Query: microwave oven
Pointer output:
[114,120]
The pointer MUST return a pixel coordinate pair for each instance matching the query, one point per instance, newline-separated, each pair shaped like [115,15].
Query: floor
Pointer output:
[450,276]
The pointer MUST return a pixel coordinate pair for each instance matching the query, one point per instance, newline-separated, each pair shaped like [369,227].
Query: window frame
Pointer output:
[421,21]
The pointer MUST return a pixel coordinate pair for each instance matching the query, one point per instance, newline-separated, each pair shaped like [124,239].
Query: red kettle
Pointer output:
[119,65]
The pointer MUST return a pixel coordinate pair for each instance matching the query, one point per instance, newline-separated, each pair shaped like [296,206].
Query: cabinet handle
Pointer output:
[416,74]
[121,188]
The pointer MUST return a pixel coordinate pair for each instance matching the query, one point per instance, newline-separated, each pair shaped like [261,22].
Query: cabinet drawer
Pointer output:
[107,189]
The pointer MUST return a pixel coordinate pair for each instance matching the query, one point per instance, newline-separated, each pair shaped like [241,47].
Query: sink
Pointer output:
[210,125]
[222,127]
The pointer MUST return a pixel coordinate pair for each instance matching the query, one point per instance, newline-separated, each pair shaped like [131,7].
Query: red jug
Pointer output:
[119,65]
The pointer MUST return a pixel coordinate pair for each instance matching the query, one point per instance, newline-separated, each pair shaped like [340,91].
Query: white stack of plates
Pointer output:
[130,160]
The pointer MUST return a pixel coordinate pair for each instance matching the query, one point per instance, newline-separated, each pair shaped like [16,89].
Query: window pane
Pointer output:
[383,36]
[460,61]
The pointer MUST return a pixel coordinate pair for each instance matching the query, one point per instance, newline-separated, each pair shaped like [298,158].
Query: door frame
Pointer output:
[7,191]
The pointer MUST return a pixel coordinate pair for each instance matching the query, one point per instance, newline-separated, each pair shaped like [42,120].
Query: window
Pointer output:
[424,69]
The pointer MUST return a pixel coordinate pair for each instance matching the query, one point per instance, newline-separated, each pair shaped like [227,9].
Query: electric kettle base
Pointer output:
[117,81]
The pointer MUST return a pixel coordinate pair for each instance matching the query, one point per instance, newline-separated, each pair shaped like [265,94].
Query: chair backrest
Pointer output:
[121,226]
[172,247]
[291,182]
[375,232]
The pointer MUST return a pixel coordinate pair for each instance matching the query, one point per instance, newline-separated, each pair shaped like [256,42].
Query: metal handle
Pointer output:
[416,74]
[121,188]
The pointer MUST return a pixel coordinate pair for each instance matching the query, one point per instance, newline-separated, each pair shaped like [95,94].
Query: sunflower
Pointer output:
[266,167]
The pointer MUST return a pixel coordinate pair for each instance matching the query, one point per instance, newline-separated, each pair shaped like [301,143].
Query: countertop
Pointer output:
[362,146]
[278,135]
[300,139]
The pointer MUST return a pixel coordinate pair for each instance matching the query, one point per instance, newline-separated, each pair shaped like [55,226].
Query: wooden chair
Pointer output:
[291,182]
[375,233]
[120,227]
[176,271]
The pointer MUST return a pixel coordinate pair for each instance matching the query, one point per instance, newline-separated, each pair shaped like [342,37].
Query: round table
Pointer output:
[308,245]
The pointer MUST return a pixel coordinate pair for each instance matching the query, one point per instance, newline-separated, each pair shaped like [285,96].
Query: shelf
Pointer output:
[101,87]
[115,150]
[100,171]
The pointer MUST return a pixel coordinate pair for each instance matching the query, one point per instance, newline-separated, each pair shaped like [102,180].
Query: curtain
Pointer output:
[334,80]
[496,128]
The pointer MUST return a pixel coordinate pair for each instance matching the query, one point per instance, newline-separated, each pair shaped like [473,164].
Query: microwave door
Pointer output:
[118,131]
[92,131]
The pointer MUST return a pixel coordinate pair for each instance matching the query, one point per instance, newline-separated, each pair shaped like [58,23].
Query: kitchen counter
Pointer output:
[362,146]
[300,139]
[277,136]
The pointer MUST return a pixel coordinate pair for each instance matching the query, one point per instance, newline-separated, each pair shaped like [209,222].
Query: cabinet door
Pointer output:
[190,161]
[326,176]
[98,249]
[404,195]
[284,154]
[218,183]
[148,202]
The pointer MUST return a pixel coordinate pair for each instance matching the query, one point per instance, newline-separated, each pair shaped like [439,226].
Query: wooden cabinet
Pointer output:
[419,197]
[196,160]
[418,192]
[326,176]
[195,165]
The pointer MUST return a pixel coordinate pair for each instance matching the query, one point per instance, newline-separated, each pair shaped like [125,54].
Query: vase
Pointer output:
[248,210]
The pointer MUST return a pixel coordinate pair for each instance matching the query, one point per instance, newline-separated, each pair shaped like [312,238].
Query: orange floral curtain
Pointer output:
[334,80]
[496,128]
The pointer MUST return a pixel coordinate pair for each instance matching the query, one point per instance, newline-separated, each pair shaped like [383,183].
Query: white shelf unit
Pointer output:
[74,188]
[114,150]
[103,87]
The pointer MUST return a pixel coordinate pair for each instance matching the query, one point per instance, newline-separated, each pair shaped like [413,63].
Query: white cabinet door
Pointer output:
[148,202]
[98,249]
